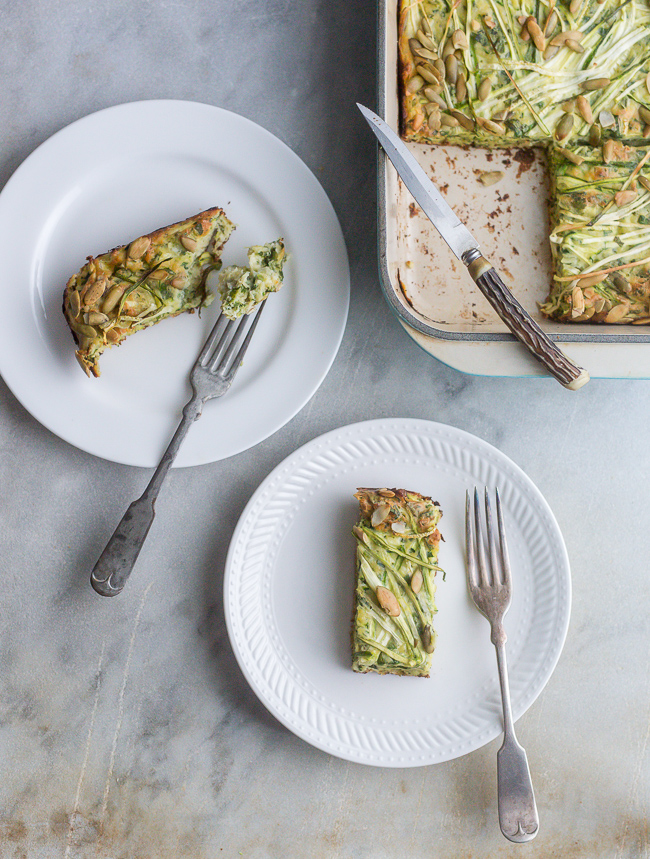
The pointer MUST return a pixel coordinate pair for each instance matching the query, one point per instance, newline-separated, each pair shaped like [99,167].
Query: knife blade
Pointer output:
[467,249]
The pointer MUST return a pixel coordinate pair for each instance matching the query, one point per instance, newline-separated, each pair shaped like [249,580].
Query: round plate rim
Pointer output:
[366,427]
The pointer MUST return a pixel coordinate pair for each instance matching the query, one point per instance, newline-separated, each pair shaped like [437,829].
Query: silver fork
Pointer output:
[490,586]
[210,377]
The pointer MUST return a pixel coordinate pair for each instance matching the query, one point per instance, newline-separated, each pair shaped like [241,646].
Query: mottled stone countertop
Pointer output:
[126,727]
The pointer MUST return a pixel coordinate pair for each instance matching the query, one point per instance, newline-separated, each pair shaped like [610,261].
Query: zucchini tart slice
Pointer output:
[137,285]
[397,560]
[600,242]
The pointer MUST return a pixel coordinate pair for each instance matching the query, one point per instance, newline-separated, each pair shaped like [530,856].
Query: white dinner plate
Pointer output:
[289,589]
[128,170]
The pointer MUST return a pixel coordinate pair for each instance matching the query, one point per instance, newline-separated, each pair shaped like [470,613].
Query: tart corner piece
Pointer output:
[601,216]
[136,285]
[397,561]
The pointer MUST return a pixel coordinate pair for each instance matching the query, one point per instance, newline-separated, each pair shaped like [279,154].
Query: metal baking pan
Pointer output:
[431,292]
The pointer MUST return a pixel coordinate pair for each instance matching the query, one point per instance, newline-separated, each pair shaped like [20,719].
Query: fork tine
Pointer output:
[220,330]
[505,560]
[484,575]
[244,346]
[220,362]
[492,549]
[469,544]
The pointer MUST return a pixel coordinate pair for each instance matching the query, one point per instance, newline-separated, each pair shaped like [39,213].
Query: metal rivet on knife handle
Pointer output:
[524,327]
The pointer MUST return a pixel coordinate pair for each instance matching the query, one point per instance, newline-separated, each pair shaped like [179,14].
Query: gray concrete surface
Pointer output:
[126,727]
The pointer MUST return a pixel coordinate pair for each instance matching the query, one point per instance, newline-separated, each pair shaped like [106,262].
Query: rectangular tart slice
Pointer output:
[496,73]
[137,285]
[397,560]
[600,242]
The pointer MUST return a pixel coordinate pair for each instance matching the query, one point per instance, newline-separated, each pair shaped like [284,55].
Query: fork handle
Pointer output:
[518,816]
[116,562]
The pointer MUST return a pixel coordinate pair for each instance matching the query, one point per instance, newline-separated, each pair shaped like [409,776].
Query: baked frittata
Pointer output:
[601,235]
[397,560]
[500,73]
[137,285]
[242,289]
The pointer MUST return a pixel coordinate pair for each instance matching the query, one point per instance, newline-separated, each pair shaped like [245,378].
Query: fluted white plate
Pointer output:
[289,596]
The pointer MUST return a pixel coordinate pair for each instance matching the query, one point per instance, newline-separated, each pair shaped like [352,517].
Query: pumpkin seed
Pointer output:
[416,83]
[551,51]
[595,83]
[113,334]
[577,302]
[86,331]
[449,121]
[617,313]
[564,126]
[621,282]
[426,54]
[561,38]
[644,113]
[434,119]
[568,106]
[491,177]
[386,493]
[465,121]
[551,22]
[188,243]
[433,96]
[418,122]
[433,77]
[74,302]
[139,247]
[461,88]
[622,198]
[93,317]
[451,68]
[608,151]
[642,320]
[494,127]
[594,280]
[599,306]
[595,135]
[484,88]
[95,292]
[441,67]
[606,119]
[584,109]
[536,33]
[416,582]
[646,131]
[426,26]
[576,47]
[111,300]
[459,40]
[574,6]
[428,641]
[448,49]
[645,182]
[388,601]
[523,33]
[423,39]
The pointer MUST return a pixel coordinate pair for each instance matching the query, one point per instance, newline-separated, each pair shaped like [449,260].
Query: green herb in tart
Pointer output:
[397,561]
[242,289]
[137,285]
[601,237]
[496,73]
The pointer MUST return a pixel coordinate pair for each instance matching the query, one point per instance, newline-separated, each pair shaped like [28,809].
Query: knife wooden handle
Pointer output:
[524,327]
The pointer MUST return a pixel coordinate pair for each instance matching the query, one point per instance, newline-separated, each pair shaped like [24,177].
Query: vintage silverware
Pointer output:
[490,587]
[466,248]
[210,377]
